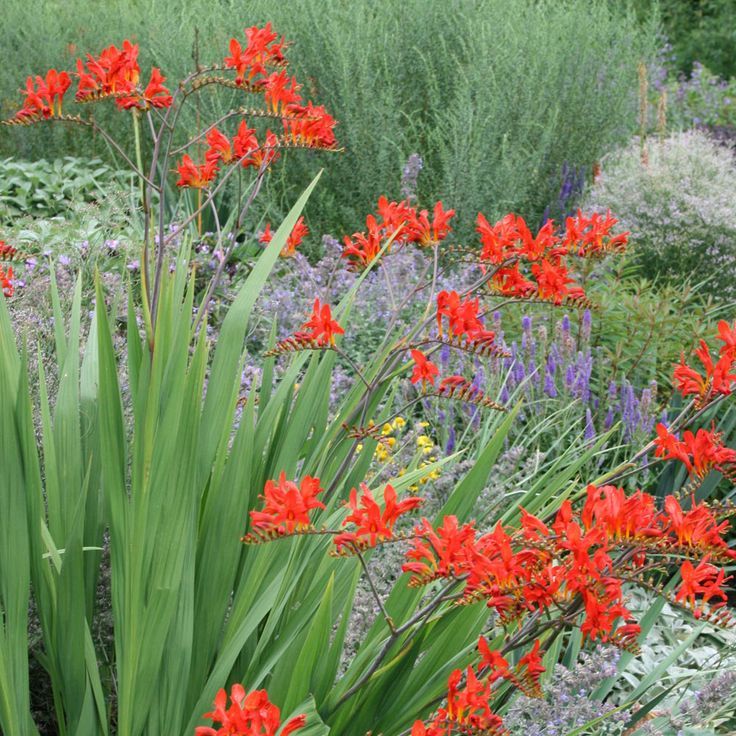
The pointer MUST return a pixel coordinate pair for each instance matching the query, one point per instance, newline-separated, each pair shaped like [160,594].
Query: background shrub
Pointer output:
[699,30]
[679,208]
[497,101]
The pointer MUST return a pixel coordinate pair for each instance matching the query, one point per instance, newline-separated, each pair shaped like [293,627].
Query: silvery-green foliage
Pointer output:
[567,702]
[679,206]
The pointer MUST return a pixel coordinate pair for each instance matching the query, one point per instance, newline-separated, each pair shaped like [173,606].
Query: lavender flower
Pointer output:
[450,446]
[410,176]
[589,432]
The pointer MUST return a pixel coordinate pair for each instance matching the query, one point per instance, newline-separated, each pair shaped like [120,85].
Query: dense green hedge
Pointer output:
[699,30]
[495,95]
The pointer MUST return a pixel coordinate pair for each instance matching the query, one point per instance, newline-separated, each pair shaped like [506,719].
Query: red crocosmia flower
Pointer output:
[510,282]
[361,248]
[6,282]
[421,230]
[281,90]
[498,240]
[468,709]
[196,177]
[250,714]
[696,528]
[533,528]
[261,49]
[237,60]
[309,125]
[727,335]
[44,96]
[245,141]
[441,552]
[220,147]
[372,524]
[453,383]
[700,452]
[592,235]
[552,281]
[394,216]
[286,505]
[8,252]
[530,669]
[705,580]
[424,370]
[493,661]
[266,236]
[600,616]
[155,94]
[621,517]
[321,327]
[462,314]
[114,72]
[718,377]
[533,248]
[298,233]
[259,155]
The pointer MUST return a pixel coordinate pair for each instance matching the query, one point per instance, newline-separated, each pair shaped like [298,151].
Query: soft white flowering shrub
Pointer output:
[679,204]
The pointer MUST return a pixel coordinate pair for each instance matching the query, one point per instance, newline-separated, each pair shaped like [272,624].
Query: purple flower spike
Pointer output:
[450,447]
[589,427]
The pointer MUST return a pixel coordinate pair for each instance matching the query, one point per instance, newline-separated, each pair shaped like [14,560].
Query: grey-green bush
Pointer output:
[680,208]
[495,95]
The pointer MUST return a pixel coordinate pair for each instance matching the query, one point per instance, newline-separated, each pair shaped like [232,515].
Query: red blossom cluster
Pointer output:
[371,525]
[577,558]
[297,234]
[244,148]
[578,564]
[320,327]
[249,714]
[44,96]
[397,219]
[114,73]
[318,332]
[466,329]
[700,452]
[424,369]
[6,281]
[286,511]
[262,49]
[7,252]
[309,125]
[463,317]
[286,506]
[718,377]
[305,125]
[509,244]
[469,693]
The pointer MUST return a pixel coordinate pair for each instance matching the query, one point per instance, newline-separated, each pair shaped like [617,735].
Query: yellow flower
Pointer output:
[425,444]
[382,453]
[398,423]
[387,429]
